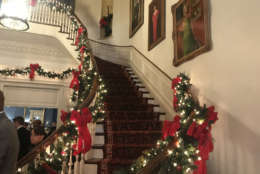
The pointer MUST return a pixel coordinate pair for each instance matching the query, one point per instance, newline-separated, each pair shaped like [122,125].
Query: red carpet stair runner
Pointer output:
[131,125]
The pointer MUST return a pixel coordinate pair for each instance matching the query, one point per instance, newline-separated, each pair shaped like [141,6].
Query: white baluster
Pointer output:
[81,164]
[63,170]
[76,165]
[70,163]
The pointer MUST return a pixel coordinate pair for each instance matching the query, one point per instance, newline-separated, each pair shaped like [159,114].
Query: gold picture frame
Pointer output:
[136,16]
[191,34]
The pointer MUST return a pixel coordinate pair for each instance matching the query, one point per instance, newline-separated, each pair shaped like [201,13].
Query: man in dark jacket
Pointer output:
[9,144]
[23,135]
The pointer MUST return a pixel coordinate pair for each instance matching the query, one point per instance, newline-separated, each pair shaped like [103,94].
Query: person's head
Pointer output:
[37,134]
[18,121]
[36,123]
[2,99]
[154,7]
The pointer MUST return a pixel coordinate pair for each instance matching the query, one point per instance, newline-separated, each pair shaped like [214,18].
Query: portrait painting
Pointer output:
[156,23]
[190,29]
[136,16]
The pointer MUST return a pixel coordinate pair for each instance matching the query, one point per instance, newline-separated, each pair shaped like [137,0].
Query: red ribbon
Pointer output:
[33,3]
[74,84]
[212,116]
[80,30]
[170,127]
[84,139]
[82,49]
[33,68]
[48,169]
[191,129]
[63,116]
[201,167]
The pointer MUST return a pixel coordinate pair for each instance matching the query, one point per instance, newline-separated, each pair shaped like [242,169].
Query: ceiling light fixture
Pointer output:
[14,14]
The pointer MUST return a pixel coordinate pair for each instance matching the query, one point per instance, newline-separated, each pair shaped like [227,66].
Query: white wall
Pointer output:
[226,77]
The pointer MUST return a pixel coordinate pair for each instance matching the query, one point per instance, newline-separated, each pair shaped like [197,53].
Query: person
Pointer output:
[37,135]
[155,16]
[52,128]
[9,143]
[23,135]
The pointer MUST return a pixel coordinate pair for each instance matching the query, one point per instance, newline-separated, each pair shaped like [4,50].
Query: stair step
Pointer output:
[98,146]
[123,125]
[93,161]
[127,107]
[132,115]
[99,133]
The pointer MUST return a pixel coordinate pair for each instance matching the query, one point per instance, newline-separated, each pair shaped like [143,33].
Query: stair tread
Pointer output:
[134,132]
[93,161]
[131,145]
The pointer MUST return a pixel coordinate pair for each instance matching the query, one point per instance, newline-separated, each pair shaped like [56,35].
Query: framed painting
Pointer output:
[136,16]
[156,23]
[190,29]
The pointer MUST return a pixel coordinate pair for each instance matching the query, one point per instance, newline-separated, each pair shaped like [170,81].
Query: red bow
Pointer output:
[82,49]
[81,119]
[212,116]
[48,169]
[175,82]
[74,84]
[191,129]
[170,127]
[80,30]
[201,167]
[33,3]
[33,68]
[63,116]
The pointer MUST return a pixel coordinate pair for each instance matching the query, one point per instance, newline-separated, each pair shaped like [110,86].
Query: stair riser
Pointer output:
[132,138]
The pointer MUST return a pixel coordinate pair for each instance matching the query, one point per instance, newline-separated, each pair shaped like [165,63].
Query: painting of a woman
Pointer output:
[155,22]
[190,34]
[156,25]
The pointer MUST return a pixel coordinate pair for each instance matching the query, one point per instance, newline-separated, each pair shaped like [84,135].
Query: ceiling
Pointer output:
[19,49]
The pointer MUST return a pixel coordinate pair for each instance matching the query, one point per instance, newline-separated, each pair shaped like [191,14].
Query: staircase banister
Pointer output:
[153,163]
[30,156]
[40,147]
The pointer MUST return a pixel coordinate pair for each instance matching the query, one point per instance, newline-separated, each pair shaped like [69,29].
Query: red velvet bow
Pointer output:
[74,84]
[82,49]
[201,167]
[175,82]
[33,68]
[212,116]
[170,127]
[191,129]
[205,144]
[80,30]
[48,169]
[63,116]
[84,140]
[33,3]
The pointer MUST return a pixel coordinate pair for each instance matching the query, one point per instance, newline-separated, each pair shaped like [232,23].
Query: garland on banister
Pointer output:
[75,137]
[188,135]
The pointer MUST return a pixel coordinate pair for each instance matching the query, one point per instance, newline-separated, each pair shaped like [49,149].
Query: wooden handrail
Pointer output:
[40,147]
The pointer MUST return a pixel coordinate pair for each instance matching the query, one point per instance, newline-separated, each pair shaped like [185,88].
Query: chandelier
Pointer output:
[14,14]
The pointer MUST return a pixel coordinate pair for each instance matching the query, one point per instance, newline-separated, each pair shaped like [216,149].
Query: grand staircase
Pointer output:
[131,124]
